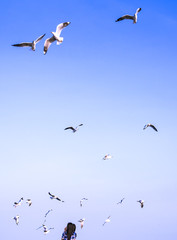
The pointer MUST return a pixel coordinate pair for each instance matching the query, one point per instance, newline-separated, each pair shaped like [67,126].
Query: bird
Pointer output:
[29,44]
[16,218]
[48,212]
[141,202]
[55,37]
[121,201]
[82,201]
[107,156]
[74,129]
[150,125]
[82,220]
[18,203]
[107,220]
[134,17]
[29,202]
[46,230]
[54,197]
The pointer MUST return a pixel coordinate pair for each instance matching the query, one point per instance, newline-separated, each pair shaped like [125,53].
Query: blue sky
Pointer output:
[112,77]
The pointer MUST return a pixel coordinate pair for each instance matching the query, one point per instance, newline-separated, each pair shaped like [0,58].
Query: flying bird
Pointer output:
[48,212]
[150,125]
[29,202]
[29,44]
[54,197]
[55,37]
[45,229]
[16,218]
[82,222]
[18,203]
[134,17]
[141,202]
[107,220]
[74,129]
[121,201]
[82,201]
[107,156]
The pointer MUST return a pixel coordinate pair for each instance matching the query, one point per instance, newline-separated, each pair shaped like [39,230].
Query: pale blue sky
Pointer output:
[112,77]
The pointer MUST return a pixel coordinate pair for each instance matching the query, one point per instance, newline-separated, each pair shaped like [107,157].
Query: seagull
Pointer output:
[82,222]
[16,218]
[48,212]
[141,202]
[54,197]
[82,201]
[46,230]
[150,125]
[134,17]
[74,129]
[55,37]
[18,203]
[107,220]
[107,156]
[121,201]
[29,202]
[29,44]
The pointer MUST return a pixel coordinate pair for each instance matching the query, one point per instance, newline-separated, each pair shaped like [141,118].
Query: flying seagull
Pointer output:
[29,44]
[121,201]
[107,220]
[18,203]
[55,37]
[16,218]
[82,201]
[29,202]
[150,125]
[141,202]
[107,156]
[74,129]
[48,212]
[46,230]
[82,222]
[54,197]
[134,17]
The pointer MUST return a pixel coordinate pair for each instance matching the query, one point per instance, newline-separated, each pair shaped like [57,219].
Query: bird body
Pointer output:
[141,202]
[107,220]
[82,220]
[107,156]
[150,125]
[29,202]
[134,17]
[16,218]
[18,203]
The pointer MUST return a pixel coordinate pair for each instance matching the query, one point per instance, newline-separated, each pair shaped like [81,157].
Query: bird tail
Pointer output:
[60,40]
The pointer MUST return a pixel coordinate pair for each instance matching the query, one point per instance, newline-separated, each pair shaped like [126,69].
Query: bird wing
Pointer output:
[47,43]
[138,10]
[24,44]
[125,17]
[51,194]
[142,204]
[152,126]
[58,198]
[80,125]
[59,28]
[39,38]
[69,128]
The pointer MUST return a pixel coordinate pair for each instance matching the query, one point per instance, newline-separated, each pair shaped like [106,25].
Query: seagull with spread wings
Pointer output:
[74,129]
[107,157]
[29,202]
[55,37]
[82,201]
[29,44]
[150,125]
[52,196]
[121,201]
[134,17]
[46,230]
[82,220]
[16,218]
[18,203]
[107,220]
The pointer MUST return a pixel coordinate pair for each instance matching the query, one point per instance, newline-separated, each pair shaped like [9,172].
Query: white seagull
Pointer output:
[55,37]
[46,230]
[107,220]
[74,129]
[54,197]
[134,17]
[150,125]
[18,203]
[107,156]
[29,202]
[29,44]
[82,201]
[16,218]
[141,202]
[48,212]
[121,201]
[82,222]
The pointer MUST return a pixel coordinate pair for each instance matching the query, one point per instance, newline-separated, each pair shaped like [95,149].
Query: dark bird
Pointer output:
[121,201]
[134,17]
[29,44]
[74,129]
[150,125]
[54,197]
[141,202]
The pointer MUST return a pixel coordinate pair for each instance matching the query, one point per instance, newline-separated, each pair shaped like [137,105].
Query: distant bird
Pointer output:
[82,201]
[18,203]
[107,220]
[46,230]
[29,44]
[48,212]
[141,202]
[43,225]
[82,220]
[150,125]
[29,202]
[74,129]
[55,37]
[134,17]
[107,156]
[54,197]
[121,201]
[16,218]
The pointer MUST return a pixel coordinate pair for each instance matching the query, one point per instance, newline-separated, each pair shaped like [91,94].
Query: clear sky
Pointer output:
[112,77]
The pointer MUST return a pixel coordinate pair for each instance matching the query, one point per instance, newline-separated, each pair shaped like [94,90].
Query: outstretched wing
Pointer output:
[25,44]
[39,38]
[69,128]
[125,17]
[47,43]
[138,10]
[51,194]
[152,126]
